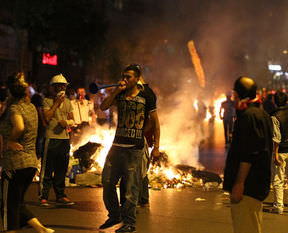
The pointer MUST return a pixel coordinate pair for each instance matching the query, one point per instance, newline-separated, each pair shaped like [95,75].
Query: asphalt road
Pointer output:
[191,210]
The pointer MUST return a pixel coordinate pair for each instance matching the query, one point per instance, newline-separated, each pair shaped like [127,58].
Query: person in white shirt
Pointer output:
[83,109]
[58,112]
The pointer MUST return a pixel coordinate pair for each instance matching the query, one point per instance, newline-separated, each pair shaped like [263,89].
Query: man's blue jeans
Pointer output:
[126,164]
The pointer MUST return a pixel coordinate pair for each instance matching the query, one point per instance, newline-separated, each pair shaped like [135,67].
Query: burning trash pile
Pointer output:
[180,143]
[163,175]
[86,170]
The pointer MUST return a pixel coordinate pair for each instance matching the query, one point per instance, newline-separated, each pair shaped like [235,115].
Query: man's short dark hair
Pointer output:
[280,98]
[135,67]
[245,87]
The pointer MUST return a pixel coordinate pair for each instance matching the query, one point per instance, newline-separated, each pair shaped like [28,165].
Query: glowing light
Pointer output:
[103,136]
[197,63]
[279,73]
[196,105]
[170,174]
[217,105]
[49,59]
[274,67]
[208,115]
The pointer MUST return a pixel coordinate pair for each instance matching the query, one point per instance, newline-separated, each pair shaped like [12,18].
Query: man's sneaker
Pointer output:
[126,228]
[44,203]
[276,210]
[64,201]
[110,222]
[49,230]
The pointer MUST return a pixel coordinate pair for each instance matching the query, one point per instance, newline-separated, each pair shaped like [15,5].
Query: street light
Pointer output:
[274,67]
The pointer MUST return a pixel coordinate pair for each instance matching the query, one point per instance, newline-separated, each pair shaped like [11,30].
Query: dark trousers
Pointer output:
[144,183]
[125,164]
[55,161]
[228,128]
[40,142]
[144,191]
[14,184]
[143,197]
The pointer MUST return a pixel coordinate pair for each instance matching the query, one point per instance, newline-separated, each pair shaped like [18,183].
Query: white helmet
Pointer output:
[59,78]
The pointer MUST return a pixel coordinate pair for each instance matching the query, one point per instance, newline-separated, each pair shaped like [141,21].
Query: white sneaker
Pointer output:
[276,210]
[49,230]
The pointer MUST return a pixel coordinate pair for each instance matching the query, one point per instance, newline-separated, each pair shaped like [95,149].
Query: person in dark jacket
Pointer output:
[268,104]
[280,150]
[248,164]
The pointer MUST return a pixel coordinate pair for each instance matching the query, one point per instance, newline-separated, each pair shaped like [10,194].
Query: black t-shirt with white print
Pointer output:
[132,115]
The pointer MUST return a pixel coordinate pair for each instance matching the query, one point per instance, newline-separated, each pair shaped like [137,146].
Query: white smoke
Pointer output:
[181,132]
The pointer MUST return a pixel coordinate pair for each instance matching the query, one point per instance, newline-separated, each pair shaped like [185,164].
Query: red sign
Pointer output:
[49,59]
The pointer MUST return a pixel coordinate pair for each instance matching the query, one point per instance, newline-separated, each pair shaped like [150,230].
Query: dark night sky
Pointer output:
[232,37]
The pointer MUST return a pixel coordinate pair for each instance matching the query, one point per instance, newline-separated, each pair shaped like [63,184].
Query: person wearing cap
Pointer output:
[227,114]
[248,165]
[124,160]
[58,112]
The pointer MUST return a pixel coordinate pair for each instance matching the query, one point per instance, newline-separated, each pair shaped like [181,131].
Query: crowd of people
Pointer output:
[37,127]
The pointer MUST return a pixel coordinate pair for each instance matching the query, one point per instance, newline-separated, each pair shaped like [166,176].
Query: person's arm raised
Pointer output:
[49,113]
[108,101]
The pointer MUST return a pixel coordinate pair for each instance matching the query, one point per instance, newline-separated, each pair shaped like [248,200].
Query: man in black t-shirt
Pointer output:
[143,199]
[248,164]
[124,160]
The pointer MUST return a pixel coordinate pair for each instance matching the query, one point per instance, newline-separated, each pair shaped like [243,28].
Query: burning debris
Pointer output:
[182,148]
[84,155]
[207,177]
[162,175]
[84,169]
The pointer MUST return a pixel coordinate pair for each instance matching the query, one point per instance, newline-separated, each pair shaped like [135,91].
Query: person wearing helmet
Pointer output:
[248,164]
[59,117]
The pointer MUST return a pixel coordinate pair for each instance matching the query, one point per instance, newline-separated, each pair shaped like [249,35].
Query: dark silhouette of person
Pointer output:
[268,104]
[227,114]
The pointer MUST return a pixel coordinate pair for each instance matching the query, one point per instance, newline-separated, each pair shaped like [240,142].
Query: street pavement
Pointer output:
[191,210]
